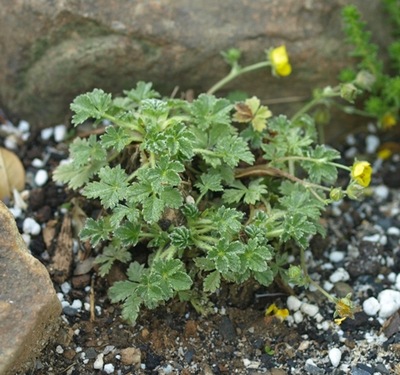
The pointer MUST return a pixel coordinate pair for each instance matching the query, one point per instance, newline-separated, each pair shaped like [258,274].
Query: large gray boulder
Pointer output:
[29,307]
[53,50]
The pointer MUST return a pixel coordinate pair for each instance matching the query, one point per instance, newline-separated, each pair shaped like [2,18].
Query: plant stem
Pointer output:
[235,72]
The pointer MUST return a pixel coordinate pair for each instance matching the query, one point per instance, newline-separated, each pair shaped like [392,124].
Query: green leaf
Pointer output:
[117,138]
[208,111]
[130,309]
[250,194]
[171,197]
[121,290]
[128,233]
[111,254]
[135,271]
[319,168]
[180,237]
[142,91]
[90,105]
[96,230]
[226,256]
[210,181]
[226,221]
[76,175]
[204,264]
[121,211]
[111,188]
[233,150]
[173,273]
[153,207]
[265,277]
[166,172]
[212,282]
[255,256]
[84,151]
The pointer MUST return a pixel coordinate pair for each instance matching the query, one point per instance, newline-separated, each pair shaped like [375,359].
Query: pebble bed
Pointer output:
[360,255]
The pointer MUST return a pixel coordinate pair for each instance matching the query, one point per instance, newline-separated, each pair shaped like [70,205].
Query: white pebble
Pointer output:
[390,302]
[309,309]
[372,144]
[37,163]
[373,238]
[11,142]
[24,126]
[371,306]
[339,275]
[46,133]
[393,231]
[293,303]
[351,140]
[335,355]
[65,304]
[328,286]
[319,318]
[99,362]
[59,349]
[336,256]
[16,211]
[108,368]
[298,317]
[65,287]
[381,192]
[76,304]
[41,177]
[60,297]
[30,226]
[397,282]
[59,132]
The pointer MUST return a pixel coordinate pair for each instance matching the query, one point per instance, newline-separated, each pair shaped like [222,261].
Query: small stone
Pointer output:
[312,368]
[372,143]
[76,304]
[24,126]
[91,353]
[362,369]
[30,226]
[335,355]
[46,134]
[336,256]
[381,192]
[226,329]
[339,275]
[131,356]
[59,349]
[309,309]
[69,311]
[41,177]
[65,287]
[59,132]
[393,231]
[37,163]
[293,303]
[389,301]
[108,368]
[298,317]
[99,362]
[371,306]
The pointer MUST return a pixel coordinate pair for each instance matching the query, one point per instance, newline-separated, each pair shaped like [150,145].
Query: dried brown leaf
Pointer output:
[12,173]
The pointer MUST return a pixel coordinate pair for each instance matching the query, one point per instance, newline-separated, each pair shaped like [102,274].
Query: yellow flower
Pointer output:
[280,61]
[361,173]
[345,308]
[388,121]
[384,153]
[281,314]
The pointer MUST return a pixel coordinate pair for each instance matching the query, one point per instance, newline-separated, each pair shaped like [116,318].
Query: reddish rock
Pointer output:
[29,307]
[53,50]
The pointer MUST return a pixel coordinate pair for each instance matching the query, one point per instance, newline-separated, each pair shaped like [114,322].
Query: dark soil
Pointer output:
[235,337]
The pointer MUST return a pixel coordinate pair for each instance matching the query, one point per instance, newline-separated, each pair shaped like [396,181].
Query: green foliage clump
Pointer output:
[383,85]
[212,190]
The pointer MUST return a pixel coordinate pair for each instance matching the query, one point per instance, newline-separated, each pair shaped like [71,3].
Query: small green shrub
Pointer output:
[383,85]
[213,190]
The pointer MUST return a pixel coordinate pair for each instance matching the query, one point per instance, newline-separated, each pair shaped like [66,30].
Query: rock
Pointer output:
[29,307]
[53,50]
[335,355]
[131,356]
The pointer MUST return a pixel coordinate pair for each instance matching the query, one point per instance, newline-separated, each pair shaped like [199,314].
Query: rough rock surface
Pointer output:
[29,307]
[53,50]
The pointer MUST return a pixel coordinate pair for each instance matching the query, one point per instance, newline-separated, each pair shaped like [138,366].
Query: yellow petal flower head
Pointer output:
[361,173]
[273,310]
[280,61]
[388,121]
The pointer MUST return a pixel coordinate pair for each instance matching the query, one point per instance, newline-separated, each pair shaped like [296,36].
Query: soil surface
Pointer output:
[235,337]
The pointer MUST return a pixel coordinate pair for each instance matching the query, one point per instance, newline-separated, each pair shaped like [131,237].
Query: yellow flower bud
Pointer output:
[361,173]
[388,121]
[280,61]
